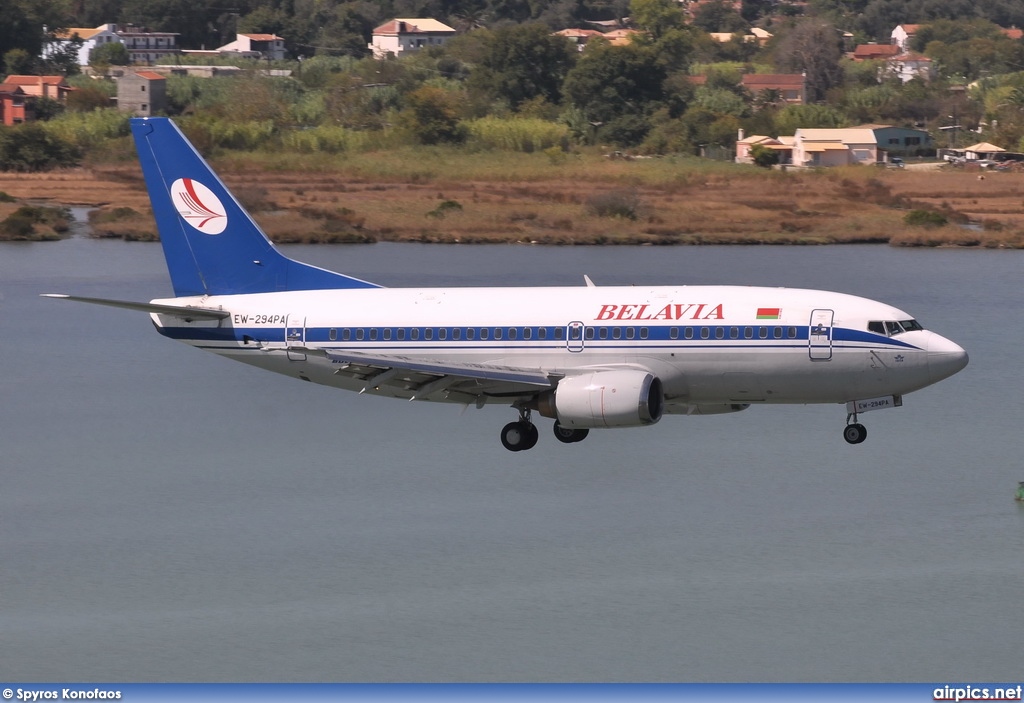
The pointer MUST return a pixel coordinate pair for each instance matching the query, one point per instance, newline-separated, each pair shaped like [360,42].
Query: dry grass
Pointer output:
[527,198]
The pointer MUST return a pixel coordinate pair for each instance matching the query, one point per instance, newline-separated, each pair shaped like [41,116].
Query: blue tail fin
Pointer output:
[212,245]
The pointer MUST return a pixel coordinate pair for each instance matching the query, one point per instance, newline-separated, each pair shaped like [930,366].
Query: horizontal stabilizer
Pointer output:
[188,313]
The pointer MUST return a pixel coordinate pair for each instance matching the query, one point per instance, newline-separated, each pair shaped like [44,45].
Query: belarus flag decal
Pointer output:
[768,313]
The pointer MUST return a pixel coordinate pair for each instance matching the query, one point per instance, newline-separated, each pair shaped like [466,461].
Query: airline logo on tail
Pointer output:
[198,206]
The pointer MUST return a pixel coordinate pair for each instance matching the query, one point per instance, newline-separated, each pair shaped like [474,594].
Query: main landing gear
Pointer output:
[522,434]
[854,432]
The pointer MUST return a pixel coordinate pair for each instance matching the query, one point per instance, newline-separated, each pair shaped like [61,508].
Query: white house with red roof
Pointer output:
[402,35]
[265,46]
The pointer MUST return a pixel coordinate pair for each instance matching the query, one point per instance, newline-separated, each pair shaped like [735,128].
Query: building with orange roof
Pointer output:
[872,52]
[13,104]
[142,93]
[402,35]
[264,46]
[52,87]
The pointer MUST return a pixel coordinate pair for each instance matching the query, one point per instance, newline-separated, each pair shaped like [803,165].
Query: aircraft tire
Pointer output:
[855,433]
[568,435]
[519,436]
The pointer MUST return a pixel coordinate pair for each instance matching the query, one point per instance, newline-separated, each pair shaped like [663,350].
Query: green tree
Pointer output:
[431,115]
[763,156]
[106,55]
[815,48]
[523,62]
[611,81]
[656,17]
[18,62]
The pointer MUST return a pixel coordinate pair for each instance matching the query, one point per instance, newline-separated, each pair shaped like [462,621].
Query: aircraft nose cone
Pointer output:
[945,358]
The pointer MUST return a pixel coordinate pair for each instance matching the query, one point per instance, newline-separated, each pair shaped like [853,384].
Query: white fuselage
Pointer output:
[709,345]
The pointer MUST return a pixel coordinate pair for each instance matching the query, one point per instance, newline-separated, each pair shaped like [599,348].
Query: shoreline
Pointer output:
[856,205]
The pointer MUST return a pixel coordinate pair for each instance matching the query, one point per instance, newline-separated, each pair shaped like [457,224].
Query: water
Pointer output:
[167,515]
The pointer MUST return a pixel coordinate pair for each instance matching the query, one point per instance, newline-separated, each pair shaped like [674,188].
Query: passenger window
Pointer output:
[673,333]
[373,334]
[456,333]
[470,333]
[428,334]
[387,335]
[688,333]
[704,333]
[719,333]
[333,335]
[734,333]
[748,332]
[346,334]
[484,333]
[414,333]
[542,333]
[630,332]
[527,333]
[777,333]
[616,333]
[643,333]
[442,334]
[603,333]
[791,332]
[559,333]
[590,333]
[511,332]
[359,334]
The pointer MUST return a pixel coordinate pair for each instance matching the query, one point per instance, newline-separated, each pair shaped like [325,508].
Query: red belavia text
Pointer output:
[672,311]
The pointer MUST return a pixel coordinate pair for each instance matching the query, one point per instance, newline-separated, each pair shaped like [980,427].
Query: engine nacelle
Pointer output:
[618,398]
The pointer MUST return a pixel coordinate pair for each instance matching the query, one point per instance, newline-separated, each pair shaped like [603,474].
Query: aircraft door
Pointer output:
[819,335]
[295,336]
[574,336]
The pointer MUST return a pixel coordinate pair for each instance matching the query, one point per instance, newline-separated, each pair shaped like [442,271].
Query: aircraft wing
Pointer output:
[419,377]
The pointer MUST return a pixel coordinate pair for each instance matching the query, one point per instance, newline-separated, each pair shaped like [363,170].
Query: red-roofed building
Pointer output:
[910,65]
[791,87]
[143,93]
[12,104]
[579,37]
[265,46]
[872,52]
[53,87]
[403,35]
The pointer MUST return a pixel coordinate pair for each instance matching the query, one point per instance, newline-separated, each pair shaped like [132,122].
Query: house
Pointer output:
[982,151]
[744,145]
[902,34]
[404,35]
[790,87]
[144,47]
[873,52]
[148,47]
[621,37]
[834,147]
[910,65]
[755,35]
[91,38]
[900,141]
[263,46]
[579,37]
[12,104]
[143,93]
[52,87]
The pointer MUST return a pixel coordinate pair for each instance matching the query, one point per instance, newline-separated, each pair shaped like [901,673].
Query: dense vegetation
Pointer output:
[505,82]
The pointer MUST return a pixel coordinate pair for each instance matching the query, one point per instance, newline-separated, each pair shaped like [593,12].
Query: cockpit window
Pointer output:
[891,328]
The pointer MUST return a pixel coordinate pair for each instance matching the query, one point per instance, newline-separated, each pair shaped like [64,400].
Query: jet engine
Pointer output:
[617,398]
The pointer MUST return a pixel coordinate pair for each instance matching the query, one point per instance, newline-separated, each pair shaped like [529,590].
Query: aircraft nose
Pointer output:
[945,357]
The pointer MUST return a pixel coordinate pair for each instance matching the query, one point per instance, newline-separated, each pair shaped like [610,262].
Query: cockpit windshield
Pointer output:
[891,328]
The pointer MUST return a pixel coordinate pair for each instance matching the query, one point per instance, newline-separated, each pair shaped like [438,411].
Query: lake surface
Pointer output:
[168,515]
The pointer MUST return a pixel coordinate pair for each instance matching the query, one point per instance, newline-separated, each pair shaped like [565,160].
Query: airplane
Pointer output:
[586,356]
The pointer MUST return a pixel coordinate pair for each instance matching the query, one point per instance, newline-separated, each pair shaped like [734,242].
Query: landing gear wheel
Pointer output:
[569,435]
[519,436]
[855,433]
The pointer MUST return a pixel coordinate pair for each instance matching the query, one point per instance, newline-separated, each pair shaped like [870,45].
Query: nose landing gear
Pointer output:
[854,432]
